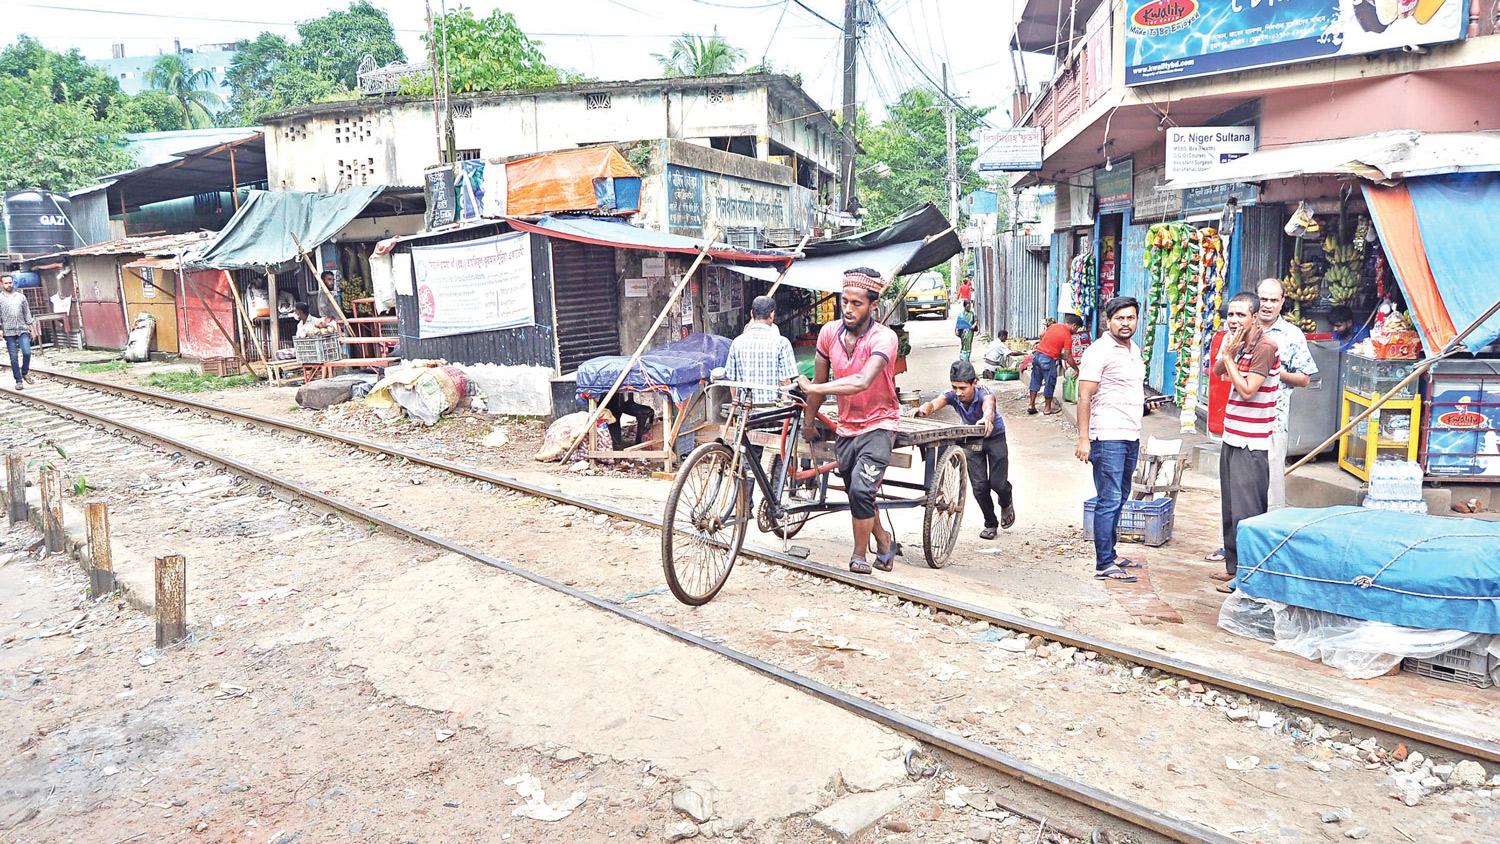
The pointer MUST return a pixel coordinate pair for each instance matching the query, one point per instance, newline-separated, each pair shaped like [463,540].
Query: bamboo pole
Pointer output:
[15,476]
[101,562]
[641,347]
[348,331]
[786,269]
[1449,349]
[273,316]
[171,599]
[239,307]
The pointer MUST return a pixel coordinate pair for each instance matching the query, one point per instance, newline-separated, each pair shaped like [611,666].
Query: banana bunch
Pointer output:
[1344,263]
[1301,281]
[1307,324]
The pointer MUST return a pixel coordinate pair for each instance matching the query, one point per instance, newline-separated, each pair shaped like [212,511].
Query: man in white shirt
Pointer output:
[1297,370]
[1111,397]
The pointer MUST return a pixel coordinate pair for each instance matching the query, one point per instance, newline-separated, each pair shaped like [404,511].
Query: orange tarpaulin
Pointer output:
[1396,220]
[562,181]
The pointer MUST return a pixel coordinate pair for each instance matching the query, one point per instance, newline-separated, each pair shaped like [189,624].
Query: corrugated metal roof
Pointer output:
[167,244]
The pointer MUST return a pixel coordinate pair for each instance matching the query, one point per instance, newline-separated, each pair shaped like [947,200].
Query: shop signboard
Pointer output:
[1114,185]
[439,188]
[1192,150]
[1178,39]
[1213,197]
[1009,150]
[699,198]
[476,285]
[1151,203]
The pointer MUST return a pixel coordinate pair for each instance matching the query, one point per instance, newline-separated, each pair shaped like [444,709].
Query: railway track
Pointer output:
[1391,725]
[1122,816]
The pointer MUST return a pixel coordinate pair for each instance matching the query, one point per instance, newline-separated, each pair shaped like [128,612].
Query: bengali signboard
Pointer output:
[1009,150]
[1177,39]
[699,198]
[439,188]
[1114,186]
[1192,150]
[1153,204]
[477,285]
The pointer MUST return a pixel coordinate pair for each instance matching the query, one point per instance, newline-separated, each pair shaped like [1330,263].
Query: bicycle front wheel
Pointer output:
[703,525]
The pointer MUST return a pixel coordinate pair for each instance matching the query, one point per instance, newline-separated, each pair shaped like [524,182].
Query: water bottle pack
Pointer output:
[1396,485]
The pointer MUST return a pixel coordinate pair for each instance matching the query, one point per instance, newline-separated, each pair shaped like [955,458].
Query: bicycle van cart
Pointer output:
[708,507]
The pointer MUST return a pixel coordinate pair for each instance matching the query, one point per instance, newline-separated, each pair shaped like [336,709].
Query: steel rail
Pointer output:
[1121,808]
[1304,701]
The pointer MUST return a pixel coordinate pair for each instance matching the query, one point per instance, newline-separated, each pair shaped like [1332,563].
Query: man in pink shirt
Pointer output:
[1111,396]
[853,363]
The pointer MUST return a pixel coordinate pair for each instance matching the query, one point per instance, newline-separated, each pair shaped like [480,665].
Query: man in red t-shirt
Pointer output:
[1055,348]
[857,351]
[966,291]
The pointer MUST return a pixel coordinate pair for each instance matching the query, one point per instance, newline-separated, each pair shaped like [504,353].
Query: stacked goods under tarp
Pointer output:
[676,369]
[597,180]
[1361,589]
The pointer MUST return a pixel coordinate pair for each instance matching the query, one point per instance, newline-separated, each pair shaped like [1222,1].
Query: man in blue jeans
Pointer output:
[1054,349]
[17,325]
[1111,397]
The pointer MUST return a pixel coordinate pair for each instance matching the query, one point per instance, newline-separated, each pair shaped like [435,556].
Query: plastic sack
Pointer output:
[423,389]
[561,433]
[1392,338]
[1360,649]
[138,347]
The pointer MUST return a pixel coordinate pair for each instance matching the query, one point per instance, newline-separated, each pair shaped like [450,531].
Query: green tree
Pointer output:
[694,55]
[254,68]
[190,87]
[52,145]
[913,143]
[64,77]
[333,46]
[150,111]
[487,54]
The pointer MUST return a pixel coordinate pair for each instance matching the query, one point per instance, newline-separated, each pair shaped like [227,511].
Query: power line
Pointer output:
[814,12]
[918,65]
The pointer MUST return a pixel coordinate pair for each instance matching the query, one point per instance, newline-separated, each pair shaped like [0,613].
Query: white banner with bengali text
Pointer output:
[477,285]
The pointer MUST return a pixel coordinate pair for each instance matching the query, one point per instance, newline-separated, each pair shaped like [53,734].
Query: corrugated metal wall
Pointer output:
[1025,284]
[588,302]
[1261,237]
[533,345]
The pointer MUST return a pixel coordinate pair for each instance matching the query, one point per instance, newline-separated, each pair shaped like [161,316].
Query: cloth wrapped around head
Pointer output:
[865,279]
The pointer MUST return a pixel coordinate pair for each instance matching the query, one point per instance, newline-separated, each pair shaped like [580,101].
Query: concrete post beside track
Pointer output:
[101,564]
[15,473]
[171,599]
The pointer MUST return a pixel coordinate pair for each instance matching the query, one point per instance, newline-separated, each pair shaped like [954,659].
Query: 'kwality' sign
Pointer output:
[1177,39]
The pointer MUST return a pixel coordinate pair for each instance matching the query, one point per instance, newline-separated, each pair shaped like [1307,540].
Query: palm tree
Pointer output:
[694,55]
[189,87]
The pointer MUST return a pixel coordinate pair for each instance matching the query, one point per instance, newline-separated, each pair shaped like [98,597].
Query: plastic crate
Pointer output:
[222,366]
[686,442]
[319,349]
[1460,665]
[1140,521]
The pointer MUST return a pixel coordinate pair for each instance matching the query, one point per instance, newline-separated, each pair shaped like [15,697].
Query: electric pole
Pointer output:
[850,152]
[955,265]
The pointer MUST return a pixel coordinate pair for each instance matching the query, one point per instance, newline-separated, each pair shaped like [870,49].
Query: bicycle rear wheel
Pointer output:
[703,525]
[945,507]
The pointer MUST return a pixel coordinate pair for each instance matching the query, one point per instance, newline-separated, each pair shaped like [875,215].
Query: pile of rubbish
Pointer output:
[422,389]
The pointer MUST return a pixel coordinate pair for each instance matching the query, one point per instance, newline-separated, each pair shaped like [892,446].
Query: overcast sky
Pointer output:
[607,39]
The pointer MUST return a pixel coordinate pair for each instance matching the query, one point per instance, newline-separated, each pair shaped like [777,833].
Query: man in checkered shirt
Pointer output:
[761,355]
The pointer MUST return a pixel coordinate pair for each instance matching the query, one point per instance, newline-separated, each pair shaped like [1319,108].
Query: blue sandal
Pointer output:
[1114,573]
[887,561]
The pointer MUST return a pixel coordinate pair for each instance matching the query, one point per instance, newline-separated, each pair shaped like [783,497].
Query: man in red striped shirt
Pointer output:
[1252,364]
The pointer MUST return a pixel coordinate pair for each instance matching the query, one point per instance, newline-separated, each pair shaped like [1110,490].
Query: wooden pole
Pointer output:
[348,331]
[15,476]
[1451,347]
[786,269]
[273,315]
[51,489]
[101,563]
[641,347]
[171,599]
[239,307]
[234,180]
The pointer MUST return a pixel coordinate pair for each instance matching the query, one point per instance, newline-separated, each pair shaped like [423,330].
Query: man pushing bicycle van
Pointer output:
[858,352]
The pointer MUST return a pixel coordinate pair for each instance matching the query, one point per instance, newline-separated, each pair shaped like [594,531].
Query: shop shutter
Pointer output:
[1261,236]
[588,302]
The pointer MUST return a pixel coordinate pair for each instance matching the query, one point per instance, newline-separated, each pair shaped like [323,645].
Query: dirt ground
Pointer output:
[1037,569]
[416,628]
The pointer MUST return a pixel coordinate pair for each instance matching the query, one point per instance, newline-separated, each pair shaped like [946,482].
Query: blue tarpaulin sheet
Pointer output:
[676,368]
[1461,235]
[1412,570]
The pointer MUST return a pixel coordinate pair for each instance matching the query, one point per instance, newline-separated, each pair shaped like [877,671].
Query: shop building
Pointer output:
[1138,107]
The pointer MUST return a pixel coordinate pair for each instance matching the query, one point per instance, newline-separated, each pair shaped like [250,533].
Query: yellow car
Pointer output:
[928,294]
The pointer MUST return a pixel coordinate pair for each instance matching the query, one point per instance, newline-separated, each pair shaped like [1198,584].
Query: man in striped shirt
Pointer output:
[1251,362]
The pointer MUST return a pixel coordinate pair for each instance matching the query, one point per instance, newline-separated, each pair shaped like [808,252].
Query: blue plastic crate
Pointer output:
[1140,521]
